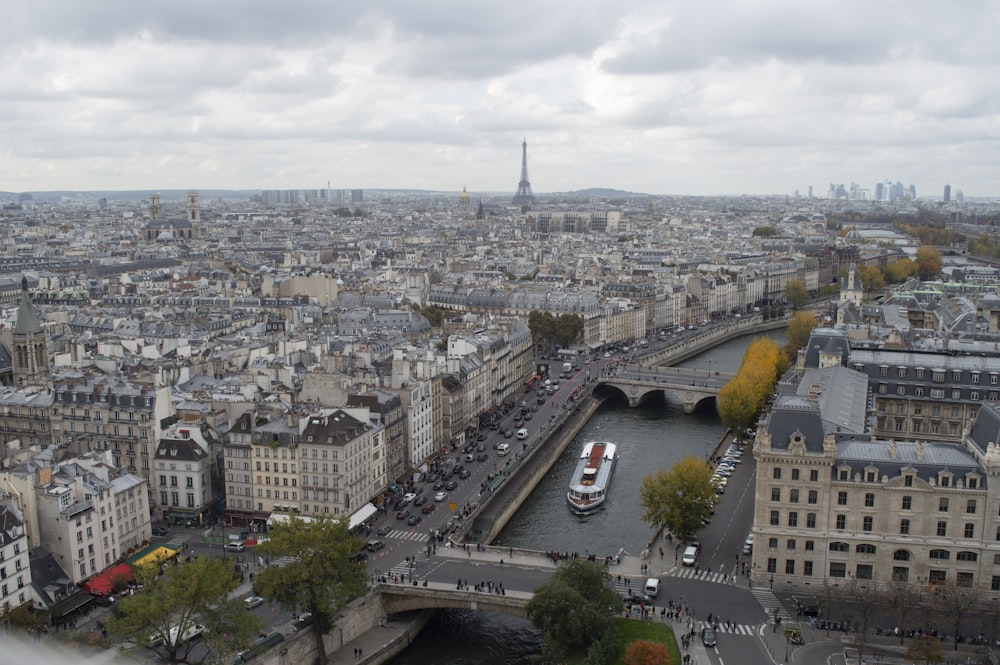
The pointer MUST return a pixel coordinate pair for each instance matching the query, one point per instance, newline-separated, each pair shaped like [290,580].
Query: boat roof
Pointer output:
[603,472]
[609,449]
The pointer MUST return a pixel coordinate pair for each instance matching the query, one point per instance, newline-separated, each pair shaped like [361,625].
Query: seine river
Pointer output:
[651,436]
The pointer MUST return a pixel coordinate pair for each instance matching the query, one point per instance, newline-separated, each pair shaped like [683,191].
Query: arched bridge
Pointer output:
[686,385]
[403,598]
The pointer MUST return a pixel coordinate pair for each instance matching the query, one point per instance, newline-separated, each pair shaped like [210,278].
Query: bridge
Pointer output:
[686,385]
[397,598]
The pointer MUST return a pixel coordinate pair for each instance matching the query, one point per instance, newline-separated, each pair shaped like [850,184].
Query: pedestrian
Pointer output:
[661,553]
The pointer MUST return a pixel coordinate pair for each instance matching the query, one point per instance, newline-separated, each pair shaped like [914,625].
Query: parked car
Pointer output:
[235,546]
[360,557]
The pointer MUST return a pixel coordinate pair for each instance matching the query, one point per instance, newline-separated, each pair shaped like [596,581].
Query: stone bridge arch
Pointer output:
[404,598]
[636,392]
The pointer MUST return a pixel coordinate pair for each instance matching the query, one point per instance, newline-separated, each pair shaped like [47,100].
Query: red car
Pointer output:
[429,508]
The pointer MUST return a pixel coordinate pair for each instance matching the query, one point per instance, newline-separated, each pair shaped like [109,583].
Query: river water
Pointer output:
[651,436]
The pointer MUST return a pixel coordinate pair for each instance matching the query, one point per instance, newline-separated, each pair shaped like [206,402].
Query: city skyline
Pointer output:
[661,98]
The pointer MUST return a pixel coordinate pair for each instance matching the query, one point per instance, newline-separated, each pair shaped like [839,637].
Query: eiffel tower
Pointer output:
[524,197]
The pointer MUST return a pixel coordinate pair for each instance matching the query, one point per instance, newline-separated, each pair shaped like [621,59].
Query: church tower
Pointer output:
[29,342]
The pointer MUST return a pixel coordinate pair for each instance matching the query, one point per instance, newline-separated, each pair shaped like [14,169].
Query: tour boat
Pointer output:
[589,486]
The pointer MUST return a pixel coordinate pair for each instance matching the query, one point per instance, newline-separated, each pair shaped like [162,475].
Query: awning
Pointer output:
[156,553]
[70,604]
[106,581]
[361,515]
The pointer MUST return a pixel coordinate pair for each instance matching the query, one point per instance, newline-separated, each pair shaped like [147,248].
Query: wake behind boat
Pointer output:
[588,488]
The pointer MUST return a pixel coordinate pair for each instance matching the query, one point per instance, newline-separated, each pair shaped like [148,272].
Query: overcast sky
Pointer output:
[692,97]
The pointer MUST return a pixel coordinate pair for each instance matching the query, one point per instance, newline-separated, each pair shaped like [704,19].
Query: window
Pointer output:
[813,497]
[789,566]
[867,523]
[772,543]
[843,474]
[870,477]
[938,576]
[900,574]
[904,527]
[810,545]
[942,505]
[901,555]
[793,519]
[793,496]
[807,569]
[776,473]
[839,547]
[907,503]
[810,520]
[964,580]
[841,522]
[908,481]
[841,498]
[869,500]
[775,518]
[970,506]
[813,475]
[795,474]
[865,548]
[775,494]
[939,555]
[966,556]
[970,530]
[863,571]
[790,545]
[942,528]
[838,569]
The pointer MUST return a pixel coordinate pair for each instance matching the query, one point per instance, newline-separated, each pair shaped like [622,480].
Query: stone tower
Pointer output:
[29,343]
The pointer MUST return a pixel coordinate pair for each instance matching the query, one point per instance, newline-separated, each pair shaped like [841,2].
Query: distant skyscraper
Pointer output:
[524,197]
[947,193]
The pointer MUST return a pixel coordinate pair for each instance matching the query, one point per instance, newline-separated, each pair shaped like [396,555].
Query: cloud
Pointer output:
[765,96]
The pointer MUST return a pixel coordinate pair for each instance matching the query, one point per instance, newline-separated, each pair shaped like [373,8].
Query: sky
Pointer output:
[653,96]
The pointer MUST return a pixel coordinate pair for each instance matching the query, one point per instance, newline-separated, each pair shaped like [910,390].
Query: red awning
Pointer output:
[106,581]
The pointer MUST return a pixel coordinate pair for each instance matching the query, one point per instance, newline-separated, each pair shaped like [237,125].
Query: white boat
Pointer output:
[589,486]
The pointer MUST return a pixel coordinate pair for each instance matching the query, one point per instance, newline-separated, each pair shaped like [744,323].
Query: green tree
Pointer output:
[796,294]
[765,231]
[678,499]
[320,577]
[180,597]
[574,608]
[928,263]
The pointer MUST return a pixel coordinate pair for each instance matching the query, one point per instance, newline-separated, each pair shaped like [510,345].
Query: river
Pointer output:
[651,436]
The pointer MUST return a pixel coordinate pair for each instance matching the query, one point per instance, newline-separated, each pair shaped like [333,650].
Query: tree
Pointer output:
[872,278]
[898,599]
[738,404]
[796,294]
[678,499]
[173,601]
[928,263]
[799,328]
[646,652]
[320,578]
[765,232]
[744,396]
[574,608]
[955,602]
[926,648]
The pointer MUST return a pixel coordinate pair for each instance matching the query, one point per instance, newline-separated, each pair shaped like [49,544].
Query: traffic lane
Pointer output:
[726,601]
[511,574]
[723,537]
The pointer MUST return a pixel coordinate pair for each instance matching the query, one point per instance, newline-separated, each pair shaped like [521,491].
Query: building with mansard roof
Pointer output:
[836,504]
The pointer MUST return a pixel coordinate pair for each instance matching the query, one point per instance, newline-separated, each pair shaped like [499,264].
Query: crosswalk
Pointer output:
[769,602]
[701,575]
[409,534]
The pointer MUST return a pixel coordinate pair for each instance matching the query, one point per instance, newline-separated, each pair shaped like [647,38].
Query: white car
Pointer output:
[440,496]
[253,601]
[408,497]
